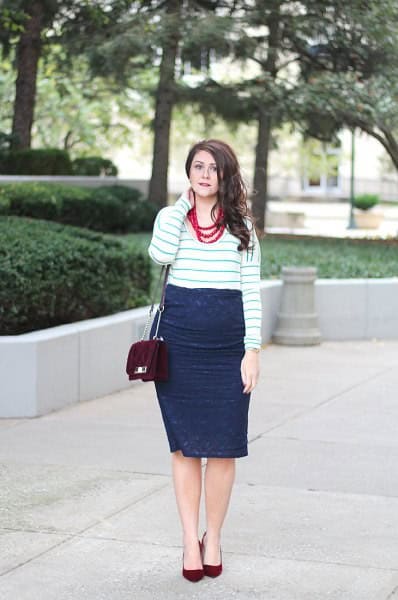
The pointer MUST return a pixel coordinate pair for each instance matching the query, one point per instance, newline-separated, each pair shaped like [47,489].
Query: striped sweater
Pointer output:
[195,264]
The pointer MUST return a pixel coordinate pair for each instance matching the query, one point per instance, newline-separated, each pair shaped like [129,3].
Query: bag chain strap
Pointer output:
[164,270]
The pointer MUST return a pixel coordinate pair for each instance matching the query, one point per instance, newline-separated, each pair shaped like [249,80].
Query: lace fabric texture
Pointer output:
[204,409]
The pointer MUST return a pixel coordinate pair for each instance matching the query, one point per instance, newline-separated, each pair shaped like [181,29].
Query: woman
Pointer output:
[211,323]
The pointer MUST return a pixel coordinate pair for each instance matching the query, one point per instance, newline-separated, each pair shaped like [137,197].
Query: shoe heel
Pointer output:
[193,575]
[211,570]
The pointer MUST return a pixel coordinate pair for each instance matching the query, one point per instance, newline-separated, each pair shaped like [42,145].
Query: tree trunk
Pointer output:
[164,106]
[28,54]
[260,183]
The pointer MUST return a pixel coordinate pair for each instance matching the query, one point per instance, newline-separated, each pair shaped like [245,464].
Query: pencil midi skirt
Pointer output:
[204,409]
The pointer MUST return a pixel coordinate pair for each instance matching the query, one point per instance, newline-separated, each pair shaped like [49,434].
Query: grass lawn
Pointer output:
[334,258]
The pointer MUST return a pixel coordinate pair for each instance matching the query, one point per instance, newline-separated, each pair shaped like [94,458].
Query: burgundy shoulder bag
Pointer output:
[148,359]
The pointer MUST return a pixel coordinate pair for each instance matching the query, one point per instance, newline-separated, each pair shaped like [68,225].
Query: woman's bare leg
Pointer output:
[219,479]
[187,478]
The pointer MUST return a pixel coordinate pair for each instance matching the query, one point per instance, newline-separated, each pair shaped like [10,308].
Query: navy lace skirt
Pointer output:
[204,409]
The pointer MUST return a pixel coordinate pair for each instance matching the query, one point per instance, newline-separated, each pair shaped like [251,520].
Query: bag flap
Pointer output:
[143,353]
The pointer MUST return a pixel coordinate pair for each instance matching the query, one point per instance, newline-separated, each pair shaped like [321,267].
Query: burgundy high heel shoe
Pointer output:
[193,574]
[210,570]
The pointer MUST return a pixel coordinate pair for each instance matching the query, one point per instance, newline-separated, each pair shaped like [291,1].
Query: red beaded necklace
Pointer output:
[210,234]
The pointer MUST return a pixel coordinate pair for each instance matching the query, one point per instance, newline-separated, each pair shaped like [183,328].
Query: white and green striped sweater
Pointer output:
[220,264]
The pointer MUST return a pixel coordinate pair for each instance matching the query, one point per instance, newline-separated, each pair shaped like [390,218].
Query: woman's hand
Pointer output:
[250,370]
[191,196]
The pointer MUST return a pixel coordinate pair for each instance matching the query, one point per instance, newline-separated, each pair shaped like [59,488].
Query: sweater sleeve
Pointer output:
[250,286]
[167,231]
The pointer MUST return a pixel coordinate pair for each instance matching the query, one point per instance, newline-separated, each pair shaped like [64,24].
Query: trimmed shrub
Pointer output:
[138,213]
[117,209]
[366,201]
[40,161]
[103,212]
[94,165]
[124,193]
[75,204]
[4,206]
[52,274]
[31,200]
[144,217]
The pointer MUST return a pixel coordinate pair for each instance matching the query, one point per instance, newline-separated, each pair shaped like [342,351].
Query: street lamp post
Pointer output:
[352,224]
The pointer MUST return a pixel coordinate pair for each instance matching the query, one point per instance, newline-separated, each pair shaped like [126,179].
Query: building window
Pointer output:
[320,167]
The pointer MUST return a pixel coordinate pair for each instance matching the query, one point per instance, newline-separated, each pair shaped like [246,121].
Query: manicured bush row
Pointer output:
[94,165]
[334,257]
[116,209]
[52,274]
[46,161]
[52,161]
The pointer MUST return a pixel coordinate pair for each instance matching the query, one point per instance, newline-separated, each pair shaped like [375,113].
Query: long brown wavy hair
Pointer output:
[232,191]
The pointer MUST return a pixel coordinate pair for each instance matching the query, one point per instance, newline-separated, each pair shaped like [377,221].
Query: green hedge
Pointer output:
[137,213]
[31,200]
[94,165]
[52,274]
[52,161]
[4,206]
[42,161]
[112,209]
[334,258]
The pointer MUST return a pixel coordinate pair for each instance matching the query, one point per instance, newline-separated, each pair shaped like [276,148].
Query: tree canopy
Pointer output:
[318,64]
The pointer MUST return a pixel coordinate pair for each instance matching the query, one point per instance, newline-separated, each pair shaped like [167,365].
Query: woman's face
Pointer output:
[203,174]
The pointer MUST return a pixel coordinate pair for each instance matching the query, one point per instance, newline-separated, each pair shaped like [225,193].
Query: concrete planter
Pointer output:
[368,219]
[297,318]
[49,369]
[289,219]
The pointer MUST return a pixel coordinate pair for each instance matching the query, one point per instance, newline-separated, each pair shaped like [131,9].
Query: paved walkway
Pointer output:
[87,506]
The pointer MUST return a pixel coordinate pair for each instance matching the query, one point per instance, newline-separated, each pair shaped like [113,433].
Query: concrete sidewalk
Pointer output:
[88,511]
